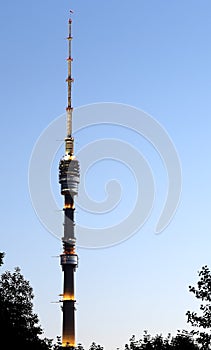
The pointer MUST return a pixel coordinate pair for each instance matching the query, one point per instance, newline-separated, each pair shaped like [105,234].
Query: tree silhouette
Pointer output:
[182,341]
[1,258]
[95,346]
[18,323]
[203,320]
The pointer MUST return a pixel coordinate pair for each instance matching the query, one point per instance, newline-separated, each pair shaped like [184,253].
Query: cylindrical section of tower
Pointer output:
[68,282]
[68,334]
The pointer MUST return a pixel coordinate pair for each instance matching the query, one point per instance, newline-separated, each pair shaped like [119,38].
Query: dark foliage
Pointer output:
[202,321]
[95,346]
[18,323]
[182,341]
[1,258]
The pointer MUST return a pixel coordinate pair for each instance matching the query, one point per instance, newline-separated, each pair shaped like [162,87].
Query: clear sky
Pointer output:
[155,56]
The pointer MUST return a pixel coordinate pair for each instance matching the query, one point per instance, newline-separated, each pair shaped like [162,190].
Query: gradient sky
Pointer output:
[155,56]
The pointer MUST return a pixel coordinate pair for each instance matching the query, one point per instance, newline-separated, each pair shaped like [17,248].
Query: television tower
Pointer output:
[69,175]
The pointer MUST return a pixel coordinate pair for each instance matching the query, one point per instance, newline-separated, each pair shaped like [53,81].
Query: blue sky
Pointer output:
[155,56]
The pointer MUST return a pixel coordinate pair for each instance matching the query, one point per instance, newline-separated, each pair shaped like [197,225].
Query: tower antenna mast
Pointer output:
[69,176]
[69,110]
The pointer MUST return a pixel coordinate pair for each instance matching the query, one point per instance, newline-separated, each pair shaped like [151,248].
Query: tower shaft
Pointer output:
[69,180]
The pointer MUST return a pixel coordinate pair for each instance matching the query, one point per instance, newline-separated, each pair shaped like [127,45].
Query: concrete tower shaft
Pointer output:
[69,176]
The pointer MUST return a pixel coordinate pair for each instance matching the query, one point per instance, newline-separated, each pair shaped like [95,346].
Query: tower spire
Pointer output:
[69,109]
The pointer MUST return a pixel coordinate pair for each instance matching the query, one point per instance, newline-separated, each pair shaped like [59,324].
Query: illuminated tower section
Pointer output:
[69,181]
